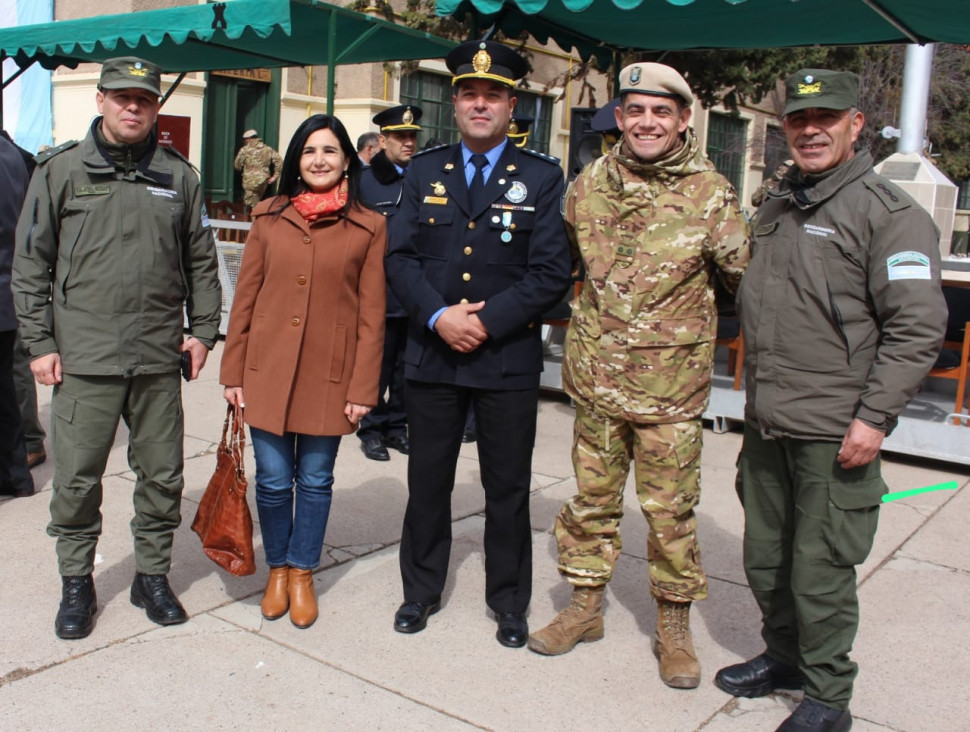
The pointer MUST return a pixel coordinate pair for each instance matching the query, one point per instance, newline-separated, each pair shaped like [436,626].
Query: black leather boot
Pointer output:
[151,592]
[79,604]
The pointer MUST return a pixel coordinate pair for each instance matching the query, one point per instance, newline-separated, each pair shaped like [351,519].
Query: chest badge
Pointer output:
[517,193]
[439,188]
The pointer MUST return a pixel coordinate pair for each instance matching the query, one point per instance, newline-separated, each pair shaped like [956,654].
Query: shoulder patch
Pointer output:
[43,157]
[542,156]
[419,153]
[892,196]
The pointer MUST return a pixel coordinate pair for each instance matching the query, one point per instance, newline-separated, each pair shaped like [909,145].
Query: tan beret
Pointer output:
[657,79]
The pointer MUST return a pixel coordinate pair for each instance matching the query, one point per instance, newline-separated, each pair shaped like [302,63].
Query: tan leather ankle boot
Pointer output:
[679,666]
[582,621]
[276,598]
[303,598]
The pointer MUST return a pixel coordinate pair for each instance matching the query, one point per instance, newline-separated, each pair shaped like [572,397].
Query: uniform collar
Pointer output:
[812,191]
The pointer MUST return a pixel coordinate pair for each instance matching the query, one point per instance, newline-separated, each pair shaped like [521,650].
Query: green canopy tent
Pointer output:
[603,27]
[236,34]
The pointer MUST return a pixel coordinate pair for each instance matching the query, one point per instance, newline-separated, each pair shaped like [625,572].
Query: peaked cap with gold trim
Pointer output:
[486,60]
[402,118]
[519,128]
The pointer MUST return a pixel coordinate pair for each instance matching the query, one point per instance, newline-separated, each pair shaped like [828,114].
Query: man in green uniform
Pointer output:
[654,223]
[260,165]
[113,247]
[843,316]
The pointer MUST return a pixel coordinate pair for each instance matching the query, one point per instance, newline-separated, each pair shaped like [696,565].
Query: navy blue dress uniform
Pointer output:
[509,250]
[380,188]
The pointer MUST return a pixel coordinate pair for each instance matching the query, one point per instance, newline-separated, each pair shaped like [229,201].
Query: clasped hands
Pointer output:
[460,327]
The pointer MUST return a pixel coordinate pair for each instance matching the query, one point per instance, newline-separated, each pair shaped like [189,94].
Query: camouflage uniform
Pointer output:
[254,159]
[639,354]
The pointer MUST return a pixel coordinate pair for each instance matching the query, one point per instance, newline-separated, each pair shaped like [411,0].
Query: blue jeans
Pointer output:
[293,534]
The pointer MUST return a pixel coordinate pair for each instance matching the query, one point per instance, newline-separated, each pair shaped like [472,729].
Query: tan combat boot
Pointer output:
[679,667]
[581,621]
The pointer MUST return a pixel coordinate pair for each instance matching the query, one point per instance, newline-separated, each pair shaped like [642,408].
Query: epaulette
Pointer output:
[419,153]
[542,156]
[41,158]
[892,196]
[181,157]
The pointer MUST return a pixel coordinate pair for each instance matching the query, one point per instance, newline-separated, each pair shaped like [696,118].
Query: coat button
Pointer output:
[471,224]
[468,250]
[306,240]
[431,220]
[464,301]
[295,321]
[532,325]
[466,277]
[301,280]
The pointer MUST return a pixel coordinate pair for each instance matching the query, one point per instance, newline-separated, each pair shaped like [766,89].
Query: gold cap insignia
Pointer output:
[137,70]
[407,118]
[481,61]
[810,88]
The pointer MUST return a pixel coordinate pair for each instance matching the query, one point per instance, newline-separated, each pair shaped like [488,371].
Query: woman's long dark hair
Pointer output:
[291,184]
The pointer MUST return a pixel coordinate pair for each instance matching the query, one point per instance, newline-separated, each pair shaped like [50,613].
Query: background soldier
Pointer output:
[256,159]
[652,220]
[15,478]
[380,188]
[843,317]
[477,253]
[112,244]
[770,183]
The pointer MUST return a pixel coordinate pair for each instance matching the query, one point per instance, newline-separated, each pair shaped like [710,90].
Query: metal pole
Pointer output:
[331,61]
[916,95]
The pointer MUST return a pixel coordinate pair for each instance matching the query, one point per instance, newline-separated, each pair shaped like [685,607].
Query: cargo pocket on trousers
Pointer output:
[63,407]
[853,517]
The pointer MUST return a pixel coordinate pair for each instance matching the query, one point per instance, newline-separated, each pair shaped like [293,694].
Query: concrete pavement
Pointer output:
[229,668]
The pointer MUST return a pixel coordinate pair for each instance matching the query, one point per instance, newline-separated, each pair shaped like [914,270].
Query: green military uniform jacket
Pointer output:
[106,261]
[640,343]
[841,308]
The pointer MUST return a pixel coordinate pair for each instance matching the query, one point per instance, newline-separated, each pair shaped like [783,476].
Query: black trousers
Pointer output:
[506,436]
[14,475]
[388,418]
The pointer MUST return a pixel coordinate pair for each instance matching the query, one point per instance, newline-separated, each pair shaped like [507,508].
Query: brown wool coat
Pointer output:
[306,330]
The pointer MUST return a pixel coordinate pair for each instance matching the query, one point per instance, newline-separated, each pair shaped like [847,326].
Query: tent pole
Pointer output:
[171,89]
[916,95]
[331,61]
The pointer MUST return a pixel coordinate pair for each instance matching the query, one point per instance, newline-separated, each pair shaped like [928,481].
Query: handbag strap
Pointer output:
[236,444]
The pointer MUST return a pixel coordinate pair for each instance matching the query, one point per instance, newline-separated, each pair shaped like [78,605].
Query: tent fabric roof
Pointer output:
[226,35]
[597,27]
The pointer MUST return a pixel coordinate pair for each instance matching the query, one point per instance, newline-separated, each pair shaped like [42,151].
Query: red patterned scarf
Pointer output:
[312,206]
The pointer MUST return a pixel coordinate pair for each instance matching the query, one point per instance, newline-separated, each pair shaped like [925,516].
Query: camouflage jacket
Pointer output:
[640,343]
[254,161]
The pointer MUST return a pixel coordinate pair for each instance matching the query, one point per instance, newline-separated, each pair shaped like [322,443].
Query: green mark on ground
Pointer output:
[949,486]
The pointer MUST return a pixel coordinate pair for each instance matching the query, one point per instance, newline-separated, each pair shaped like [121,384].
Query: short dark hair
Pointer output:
[368,138]
[291,184]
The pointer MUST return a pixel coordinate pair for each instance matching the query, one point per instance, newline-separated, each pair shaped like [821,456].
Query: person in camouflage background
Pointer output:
[254,159]
[652,221]
[761,195]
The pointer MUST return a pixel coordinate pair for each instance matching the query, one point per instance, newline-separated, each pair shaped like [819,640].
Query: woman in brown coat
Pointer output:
[304,346]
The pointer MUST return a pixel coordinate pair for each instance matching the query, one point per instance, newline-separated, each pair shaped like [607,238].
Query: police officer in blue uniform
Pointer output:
[380,188]
[476,254]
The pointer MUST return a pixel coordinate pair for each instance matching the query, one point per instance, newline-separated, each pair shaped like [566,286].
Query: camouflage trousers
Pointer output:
[253,194]
[666,460]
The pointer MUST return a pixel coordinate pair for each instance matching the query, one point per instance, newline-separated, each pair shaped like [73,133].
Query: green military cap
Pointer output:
[821,88]
[129,72]
[657,79]
[486,60]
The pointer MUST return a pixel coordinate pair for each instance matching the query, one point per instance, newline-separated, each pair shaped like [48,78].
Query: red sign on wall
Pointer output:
[174,131]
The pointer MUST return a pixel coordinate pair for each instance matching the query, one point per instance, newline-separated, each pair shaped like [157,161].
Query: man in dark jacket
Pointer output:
[477,253]
[15,477]
[113,250]
[380,188]
[843,317]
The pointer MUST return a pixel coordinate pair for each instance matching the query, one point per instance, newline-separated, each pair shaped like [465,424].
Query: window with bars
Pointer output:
[433,92]
[776,149]
[726,146]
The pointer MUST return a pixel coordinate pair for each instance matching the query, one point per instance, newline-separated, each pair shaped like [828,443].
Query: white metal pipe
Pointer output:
[916,96]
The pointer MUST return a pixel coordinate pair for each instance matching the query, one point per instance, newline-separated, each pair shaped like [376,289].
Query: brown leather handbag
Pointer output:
[223,520]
